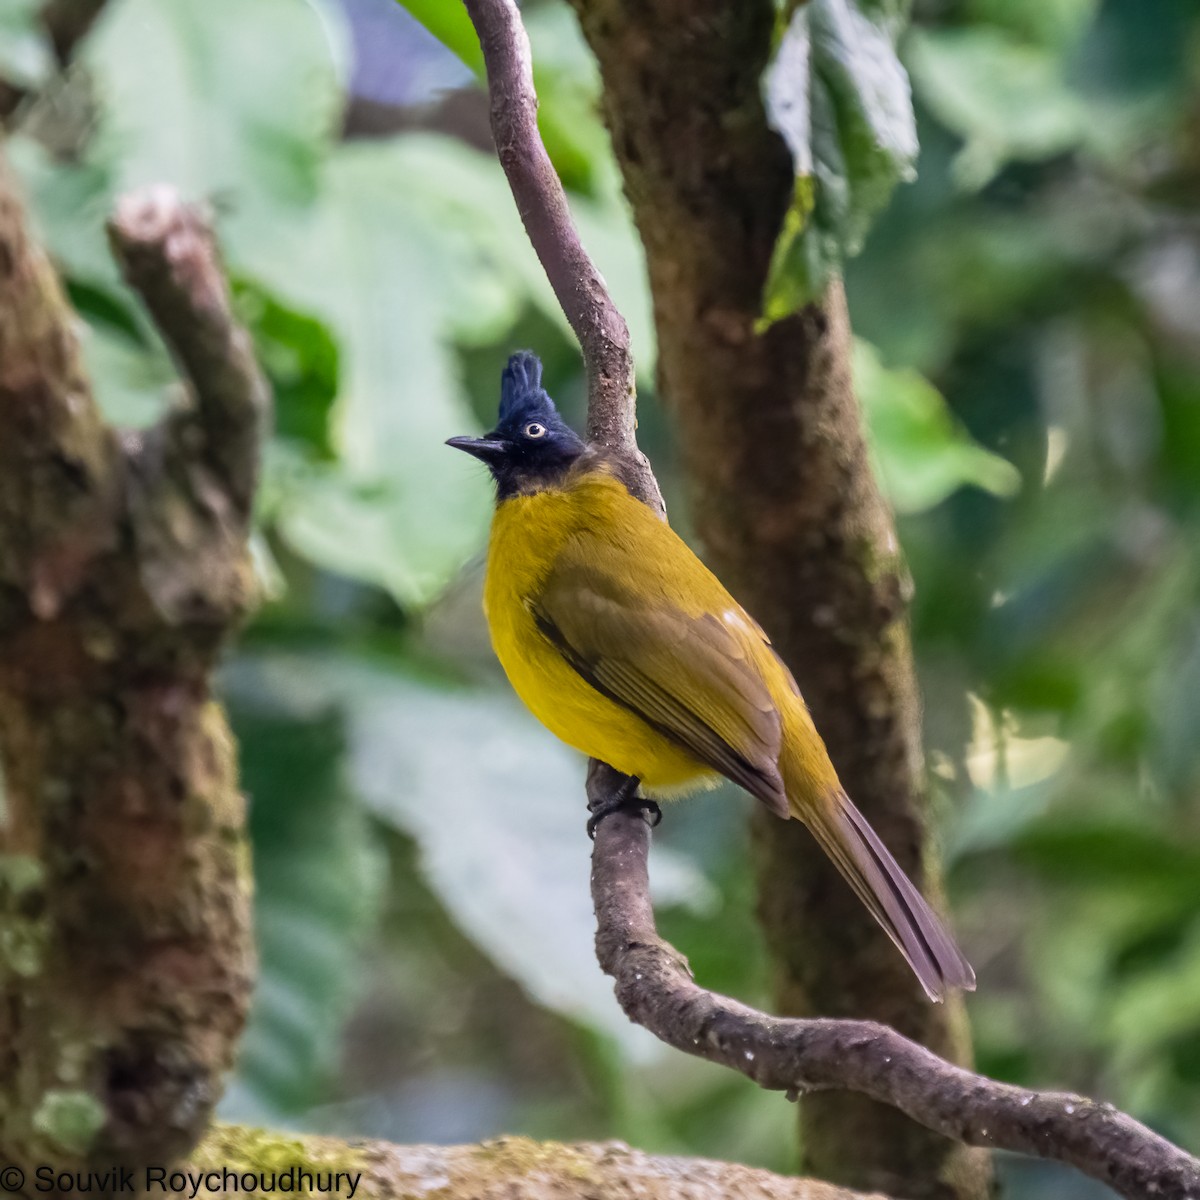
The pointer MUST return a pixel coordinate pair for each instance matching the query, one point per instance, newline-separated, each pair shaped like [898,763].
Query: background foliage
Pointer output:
[422,908]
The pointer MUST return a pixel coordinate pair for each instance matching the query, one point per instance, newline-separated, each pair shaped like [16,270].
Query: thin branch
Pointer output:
[169,257]
[542,203]
[657,991]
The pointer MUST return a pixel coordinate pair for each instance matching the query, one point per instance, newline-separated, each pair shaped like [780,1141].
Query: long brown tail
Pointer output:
[894,902]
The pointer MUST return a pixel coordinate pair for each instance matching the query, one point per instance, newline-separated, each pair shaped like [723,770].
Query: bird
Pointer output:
[627,647]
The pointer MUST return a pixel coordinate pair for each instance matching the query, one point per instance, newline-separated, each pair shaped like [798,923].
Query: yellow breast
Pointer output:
[528,532]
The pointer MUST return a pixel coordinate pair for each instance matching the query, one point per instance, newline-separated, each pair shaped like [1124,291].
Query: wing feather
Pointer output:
[692,678]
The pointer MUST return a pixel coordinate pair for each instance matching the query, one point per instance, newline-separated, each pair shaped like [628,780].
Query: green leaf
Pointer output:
[840,98]
[69,204]
[1158,1006]
[300,358]
[1056,24]
[394,509]
[922,454]
[1008,99]
[451,26]
[182,101]
[565,78]
[567,81]
[1110,855]
[405,532]
[318,884]
[26,58]
[496,805]
[133,383]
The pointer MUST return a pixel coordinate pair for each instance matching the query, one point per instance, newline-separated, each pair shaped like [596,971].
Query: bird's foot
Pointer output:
[623,799]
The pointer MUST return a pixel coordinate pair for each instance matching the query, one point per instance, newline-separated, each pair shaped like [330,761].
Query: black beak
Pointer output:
[487,449]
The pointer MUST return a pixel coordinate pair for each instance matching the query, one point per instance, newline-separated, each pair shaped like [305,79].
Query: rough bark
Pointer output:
[505,1169]
[792,521]
[124,913]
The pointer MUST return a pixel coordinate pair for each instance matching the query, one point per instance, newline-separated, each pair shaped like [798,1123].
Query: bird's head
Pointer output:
[531,446]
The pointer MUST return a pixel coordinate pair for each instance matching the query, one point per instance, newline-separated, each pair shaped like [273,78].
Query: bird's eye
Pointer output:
[534,430]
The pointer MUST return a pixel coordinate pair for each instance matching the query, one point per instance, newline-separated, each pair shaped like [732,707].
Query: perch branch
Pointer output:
[657,991]
[169,257]
[542,203]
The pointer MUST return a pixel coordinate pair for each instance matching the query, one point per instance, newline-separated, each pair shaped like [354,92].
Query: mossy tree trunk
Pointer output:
[125,949]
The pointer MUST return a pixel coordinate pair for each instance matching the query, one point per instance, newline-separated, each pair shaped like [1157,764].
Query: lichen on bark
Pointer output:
[508,1168]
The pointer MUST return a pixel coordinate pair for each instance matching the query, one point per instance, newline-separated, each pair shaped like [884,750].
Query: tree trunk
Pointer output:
[124,892]
[792,520]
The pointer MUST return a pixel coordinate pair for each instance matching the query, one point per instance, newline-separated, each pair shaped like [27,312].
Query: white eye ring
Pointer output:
[534,430]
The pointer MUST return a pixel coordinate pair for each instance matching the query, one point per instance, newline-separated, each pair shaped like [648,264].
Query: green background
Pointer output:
[1029,362]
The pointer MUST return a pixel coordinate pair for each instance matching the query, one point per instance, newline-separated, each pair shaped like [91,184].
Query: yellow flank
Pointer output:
[631,591]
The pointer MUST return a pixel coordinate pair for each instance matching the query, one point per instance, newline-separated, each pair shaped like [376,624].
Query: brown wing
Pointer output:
[690,677]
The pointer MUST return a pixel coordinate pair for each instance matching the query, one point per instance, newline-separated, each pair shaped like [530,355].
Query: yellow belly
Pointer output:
[584,718]
[526,534]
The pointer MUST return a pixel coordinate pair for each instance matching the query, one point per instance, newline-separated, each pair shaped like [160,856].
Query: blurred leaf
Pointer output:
[300,358]
[1139,48]
[501,837]
[1172,701]
[1112,855]
[395,509]
[565,78]
[221,98]
[133,383]
[922,454]
[26,57]
[497,807]
[69,205]
[462,190]
[567,81]
[402,534]
[451,26]
[1007,99]
[1051,23]
[318,881]
[837,93]
[1160,1005]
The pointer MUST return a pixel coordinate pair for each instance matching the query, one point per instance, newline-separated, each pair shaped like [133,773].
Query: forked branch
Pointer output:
[169,257]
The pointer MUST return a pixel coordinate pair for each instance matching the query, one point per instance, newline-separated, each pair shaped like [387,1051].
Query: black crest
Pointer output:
[531,446]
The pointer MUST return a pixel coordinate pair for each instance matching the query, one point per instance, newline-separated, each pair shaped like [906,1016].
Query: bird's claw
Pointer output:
[623,800]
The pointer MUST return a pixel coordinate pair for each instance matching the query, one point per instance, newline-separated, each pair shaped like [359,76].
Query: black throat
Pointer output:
[523,475]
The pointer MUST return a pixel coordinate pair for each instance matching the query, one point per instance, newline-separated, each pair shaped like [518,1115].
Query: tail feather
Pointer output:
[889,894]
